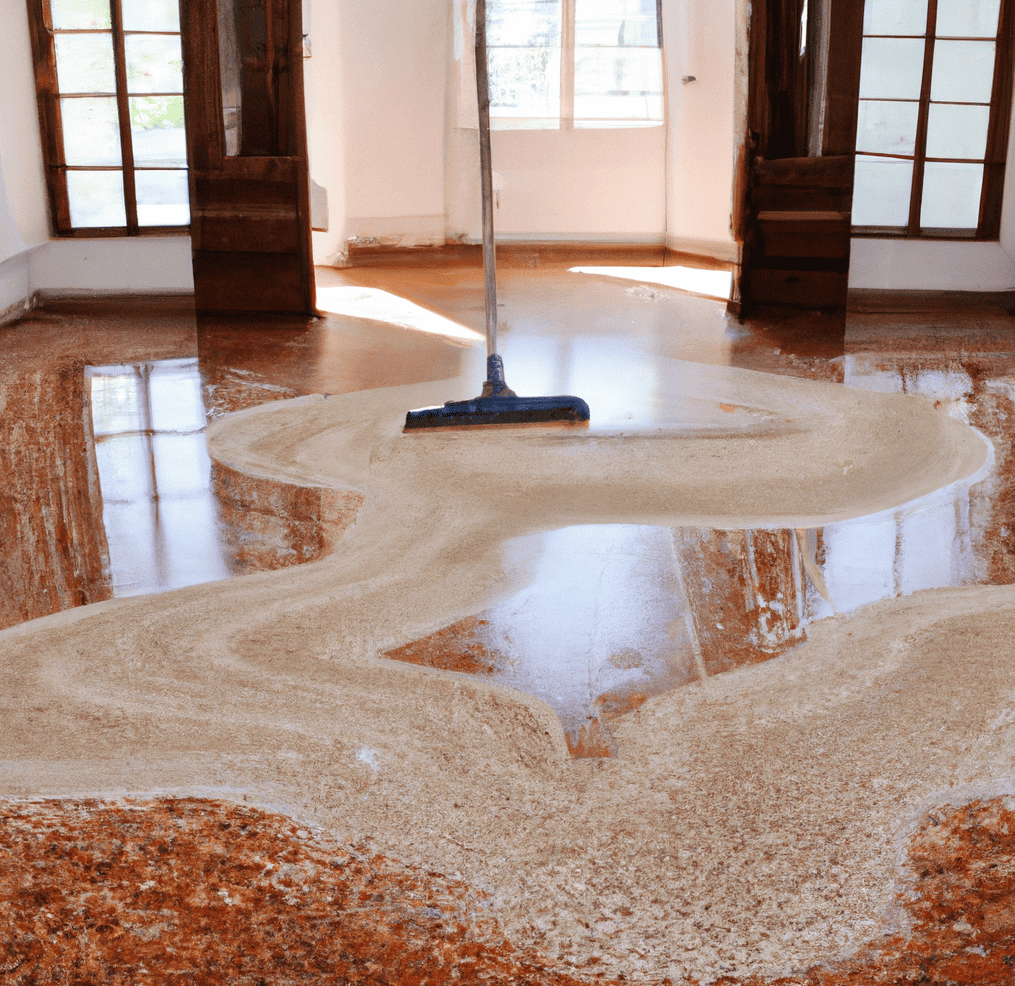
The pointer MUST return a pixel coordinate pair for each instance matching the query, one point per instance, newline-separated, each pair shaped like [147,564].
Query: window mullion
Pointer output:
[997,130]
[123,110]
[920,151]
[567,9]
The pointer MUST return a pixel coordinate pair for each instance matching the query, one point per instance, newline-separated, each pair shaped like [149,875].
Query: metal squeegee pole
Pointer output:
[486,169]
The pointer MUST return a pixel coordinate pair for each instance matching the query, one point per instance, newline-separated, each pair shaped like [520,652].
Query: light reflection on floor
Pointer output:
[609,613]
[710,283]
[160,515]
[603,615]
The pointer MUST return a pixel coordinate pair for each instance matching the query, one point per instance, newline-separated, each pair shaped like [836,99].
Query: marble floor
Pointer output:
[109,491]
[107,488]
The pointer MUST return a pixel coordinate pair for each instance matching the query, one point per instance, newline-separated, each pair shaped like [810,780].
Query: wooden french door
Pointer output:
[794,199]
[247,151]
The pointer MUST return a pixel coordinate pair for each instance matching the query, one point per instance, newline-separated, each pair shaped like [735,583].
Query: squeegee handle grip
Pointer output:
[486,177]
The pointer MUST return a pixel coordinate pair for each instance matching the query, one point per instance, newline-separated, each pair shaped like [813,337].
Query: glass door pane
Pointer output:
[951,195]
[881,191]
[91,131]
[162,198]
[891,68]
[957,131]
[895,17]
[80,15]
[887,127]
[150,15]
[963,71]
[967,18]
[84,63]
[96,198]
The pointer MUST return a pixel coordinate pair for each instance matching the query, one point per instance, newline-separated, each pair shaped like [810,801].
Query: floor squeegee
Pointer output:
[497,404]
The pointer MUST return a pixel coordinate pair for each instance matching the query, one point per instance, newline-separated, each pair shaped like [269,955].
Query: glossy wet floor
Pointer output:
[610,612]
[118,495]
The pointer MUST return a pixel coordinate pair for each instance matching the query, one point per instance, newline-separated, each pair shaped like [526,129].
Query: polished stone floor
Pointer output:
[107,489]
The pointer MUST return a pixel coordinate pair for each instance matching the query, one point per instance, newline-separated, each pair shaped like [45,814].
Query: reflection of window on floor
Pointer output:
[581,63]
[154,472]
[112,113]
[935,96]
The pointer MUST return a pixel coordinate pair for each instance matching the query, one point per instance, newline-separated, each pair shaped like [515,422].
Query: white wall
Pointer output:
[700,39]
[932,265]
[562,185]
[150,264]
[322,84]
[376,128]
[20,147]
[23,216]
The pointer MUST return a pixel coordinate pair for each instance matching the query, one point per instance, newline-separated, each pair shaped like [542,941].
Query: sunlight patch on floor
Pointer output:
[382,306]
[711,283]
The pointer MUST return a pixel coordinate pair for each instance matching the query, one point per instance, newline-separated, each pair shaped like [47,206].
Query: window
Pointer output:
[574,63]
[110,84]
[935,98]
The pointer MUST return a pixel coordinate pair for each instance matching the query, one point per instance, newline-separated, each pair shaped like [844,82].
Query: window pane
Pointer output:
[151,15]
[533,23]
[125,470]
[891,68]
[91,130]
[154,63]
[957,131]
[881,191]
[174,389]
[951,195]
[131,533]
[182,465]
[618,84]
[967,18]
[84,63]
[162,198]
[886,127]
[96,198]
[895,17]
[524,82]
[116,399]
[79,15]
[963,71]
[616,23]
[156,125]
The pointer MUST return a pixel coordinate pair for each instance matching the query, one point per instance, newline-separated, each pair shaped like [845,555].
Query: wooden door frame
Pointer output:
[774,26]
[206,130]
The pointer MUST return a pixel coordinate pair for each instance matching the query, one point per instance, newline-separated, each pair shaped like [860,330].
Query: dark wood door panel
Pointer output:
[250,203]
[818,172]
[246,282]
[796,288]
[796,233]
[794,200]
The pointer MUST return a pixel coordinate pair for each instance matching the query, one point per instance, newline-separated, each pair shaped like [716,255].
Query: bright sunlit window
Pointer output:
[111,108]
[574,63]
[935,87]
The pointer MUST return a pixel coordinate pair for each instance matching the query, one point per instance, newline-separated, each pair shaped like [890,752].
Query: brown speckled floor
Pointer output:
[179,889]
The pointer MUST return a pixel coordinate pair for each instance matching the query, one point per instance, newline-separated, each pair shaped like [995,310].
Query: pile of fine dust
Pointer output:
[750,824]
